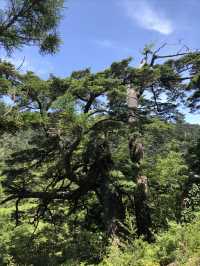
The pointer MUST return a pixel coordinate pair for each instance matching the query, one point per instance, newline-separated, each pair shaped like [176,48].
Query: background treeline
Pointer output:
[97,168]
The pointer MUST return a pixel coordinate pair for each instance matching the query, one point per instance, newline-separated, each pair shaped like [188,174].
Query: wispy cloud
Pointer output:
[25,64]
[146,16]
[3,4]
[110,44]
[105,43]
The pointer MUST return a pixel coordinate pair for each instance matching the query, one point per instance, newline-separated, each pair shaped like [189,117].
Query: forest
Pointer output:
[97,168]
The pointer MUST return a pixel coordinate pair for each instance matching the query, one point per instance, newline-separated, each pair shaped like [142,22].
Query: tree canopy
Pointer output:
[96,168]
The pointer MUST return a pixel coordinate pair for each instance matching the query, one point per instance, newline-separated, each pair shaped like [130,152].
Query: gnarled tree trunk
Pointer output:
[132,102]
[142,212]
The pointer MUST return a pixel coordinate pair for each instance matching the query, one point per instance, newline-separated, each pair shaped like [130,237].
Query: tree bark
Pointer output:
[113,208]
[142,212]
[114,213]
[132,102]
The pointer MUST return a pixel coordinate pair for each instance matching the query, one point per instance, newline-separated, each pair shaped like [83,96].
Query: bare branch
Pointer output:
[173,55]
[161,47]
[21,64]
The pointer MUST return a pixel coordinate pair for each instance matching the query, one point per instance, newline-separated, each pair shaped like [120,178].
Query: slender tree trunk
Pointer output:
[142,211]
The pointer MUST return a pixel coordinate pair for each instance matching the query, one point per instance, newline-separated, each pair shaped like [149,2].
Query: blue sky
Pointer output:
[97,32]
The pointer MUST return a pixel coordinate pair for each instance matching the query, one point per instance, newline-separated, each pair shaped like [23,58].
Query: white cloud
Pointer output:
[106,43]
[147,17]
